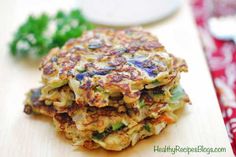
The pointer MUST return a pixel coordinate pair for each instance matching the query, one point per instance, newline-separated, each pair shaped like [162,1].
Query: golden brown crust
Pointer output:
[109,88]
[105,61]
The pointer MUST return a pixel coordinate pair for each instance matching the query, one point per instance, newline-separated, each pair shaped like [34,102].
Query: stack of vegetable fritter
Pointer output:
[109,88]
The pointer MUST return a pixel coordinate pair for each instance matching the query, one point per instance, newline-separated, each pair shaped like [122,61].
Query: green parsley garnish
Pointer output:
[40,33]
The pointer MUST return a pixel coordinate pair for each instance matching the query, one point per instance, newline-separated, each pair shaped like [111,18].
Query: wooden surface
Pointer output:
[22,135]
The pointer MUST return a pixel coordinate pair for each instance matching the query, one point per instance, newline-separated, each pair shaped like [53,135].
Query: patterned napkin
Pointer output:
[221,56]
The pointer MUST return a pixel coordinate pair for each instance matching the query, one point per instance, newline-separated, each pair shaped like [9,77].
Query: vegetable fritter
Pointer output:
[109,88]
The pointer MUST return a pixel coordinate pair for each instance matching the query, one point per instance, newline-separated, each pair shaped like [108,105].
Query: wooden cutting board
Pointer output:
[199,124]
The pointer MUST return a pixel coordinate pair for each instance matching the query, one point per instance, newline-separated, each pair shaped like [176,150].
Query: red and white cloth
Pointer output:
[221,56]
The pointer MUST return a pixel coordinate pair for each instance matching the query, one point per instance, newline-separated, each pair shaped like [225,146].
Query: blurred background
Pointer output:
[216,23]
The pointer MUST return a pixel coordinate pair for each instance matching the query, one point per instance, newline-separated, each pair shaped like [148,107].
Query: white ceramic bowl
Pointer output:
[128,12]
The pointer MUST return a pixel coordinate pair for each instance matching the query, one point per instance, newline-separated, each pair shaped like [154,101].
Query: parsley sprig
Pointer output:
[40,33]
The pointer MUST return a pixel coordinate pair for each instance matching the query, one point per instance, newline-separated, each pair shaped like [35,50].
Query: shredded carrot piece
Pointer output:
[167,119]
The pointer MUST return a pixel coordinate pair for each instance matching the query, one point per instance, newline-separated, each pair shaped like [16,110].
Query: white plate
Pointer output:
[128,12]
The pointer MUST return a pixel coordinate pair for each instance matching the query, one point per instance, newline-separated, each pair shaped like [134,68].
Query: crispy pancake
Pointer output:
[99,119]
[149,104]
[110,140]
[107,127]
[106,62]
[62,97]
[109,88]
